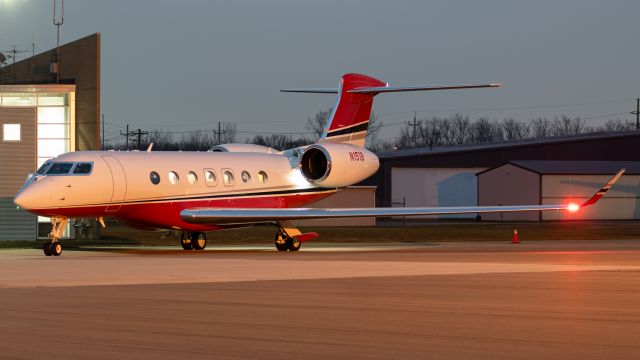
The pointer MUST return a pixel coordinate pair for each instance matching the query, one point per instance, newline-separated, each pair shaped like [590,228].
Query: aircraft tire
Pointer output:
[281,242]
[186,244]
[56,248]
[198,240]
[47,248]
[293,244]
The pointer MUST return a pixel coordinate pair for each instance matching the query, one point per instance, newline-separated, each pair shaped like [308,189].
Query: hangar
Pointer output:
[45,110]
[558,182]
[446,176]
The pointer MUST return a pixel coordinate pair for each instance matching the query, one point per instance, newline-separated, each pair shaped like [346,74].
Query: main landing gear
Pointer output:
[53,246]
[285,242]
[290,238]
[193,240]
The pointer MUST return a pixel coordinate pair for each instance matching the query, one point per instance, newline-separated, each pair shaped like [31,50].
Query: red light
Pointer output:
[573,207]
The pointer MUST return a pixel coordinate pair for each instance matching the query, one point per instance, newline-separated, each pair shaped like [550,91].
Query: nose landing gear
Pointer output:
[53,246]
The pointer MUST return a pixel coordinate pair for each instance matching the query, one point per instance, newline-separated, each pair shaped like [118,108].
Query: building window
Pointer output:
[192,177]
[246,177]
[210,178]
[11,132]
[227,177]
[262,177]
[154,177]
[173,177]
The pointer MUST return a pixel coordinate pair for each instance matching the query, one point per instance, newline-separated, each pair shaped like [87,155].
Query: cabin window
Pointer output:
[262,177]
[210,178]
[82,168]
[227,177]
[173,177]
[192,177]
[246,177]
[60,168]
[154,177]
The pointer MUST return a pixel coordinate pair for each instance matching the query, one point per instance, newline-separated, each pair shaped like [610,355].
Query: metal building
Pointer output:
[446,176]
[561,182]
[45,111]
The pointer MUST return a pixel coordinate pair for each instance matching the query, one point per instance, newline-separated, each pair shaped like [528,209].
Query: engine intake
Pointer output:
[337,165]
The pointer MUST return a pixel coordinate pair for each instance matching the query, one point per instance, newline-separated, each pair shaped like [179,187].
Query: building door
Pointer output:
[17,161]
[119,183]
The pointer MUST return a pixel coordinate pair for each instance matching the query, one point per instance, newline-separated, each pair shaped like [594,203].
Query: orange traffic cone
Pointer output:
[515,237]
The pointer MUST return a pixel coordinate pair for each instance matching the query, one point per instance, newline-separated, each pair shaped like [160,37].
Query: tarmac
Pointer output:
[454,300]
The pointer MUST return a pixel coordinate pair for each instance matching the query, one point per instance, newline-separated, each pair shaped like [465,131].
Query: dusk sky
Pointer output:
[183,65]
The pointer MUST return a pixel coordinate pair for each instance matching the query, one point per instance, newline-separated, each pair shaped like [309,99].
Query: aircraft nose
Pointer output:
[24,199]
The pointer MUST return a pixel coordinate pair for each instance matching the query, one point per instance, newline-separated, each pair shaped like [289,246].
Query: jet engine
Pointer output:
[243,148]
[337,165]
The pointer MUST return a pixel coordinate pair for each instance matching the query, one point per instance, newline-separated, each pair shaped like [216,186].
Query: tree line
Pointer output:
[431,132]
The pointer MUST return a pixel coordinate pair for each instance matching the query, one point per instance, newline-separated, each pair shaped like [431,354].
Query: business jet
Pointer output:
[235,185]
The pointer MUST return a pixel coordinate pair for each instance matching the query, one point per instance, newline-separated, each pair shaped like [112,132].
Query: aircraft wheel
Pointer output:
[56,248]
[186,243]
[293,244]
[281,242]
[198,240]
[47,248]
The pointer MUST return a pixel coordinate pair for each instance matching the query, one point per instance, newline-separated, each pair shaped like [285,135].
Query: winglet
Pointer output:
[600,193]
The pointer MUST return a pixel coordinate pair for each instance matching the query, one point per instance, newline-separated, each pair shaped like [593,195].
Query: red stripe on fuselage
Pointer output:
[166,215]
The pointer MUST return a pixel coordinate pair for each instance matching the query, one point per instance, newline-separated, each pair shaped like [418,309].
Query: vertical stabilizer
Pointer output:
[349,119]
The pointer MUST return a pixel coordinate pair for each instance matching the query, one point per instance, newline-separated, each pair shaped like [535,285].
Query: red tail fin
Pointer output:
[350,117]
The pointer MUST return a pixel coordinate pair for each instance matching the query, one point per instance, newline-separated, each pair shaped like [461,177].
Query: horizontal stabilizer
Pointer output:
[389,89]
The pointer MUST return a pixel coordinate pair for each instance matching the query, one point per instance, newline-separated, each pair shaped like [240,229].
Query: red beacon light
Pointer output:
[573,207]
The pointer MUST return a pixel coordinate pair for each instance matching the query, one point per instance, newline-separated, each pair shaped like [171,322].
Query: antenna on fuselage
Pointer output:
[150,147]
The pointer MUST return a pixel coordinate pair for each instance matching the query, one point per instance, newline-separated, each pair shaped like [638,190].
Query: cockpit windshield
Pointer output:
[43,168]
[82,168]
[60,168]
[66,168]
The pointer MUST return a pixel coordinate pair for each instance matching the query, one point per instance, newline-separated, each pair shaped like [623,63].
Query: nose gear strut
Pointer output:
[53,246]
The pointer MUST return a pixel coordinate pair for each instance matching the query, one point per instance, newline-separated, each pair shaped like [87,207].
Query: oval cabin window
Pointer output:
[173,177]
[154,177]
[262,177]
[246,177]
[192,177]
[210,178]
[227,177]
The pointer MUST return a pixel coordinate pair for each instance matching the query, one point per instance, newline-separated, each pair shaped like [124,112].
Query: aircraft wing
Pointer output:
[257,215]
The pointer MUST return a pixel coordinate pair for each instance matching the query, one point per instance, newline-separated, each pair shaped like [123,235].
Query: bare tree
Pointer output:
[540,128]
[618,125]
[229,132]
[461,129]
[372,131]
[514,130]
[318,122]
[485,131]
[565,125]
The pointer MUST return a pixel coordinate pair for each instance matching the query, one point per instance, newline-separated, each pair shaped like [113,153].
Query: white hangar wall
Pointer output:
[621,202]
[435,187]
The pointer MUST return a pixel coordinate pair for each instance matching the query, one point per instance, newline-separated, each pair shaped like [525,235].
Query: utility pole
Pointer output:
[126,134]
[140,133]
[414,125]
[219,133]
[637,114]
[57,24]
[102,142]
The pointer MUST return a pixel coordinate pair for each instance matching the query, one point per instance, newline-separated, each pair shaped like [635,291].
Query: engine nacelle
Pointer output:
[337,165]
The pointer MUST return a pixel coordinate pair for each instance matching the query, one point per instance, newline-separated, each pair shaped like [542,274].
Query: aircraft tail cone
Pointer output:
[515,237]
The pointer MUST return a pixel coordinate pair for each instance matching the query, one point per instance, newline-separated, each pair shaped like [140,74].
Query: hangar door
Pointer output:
[17,160]
[435,187]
